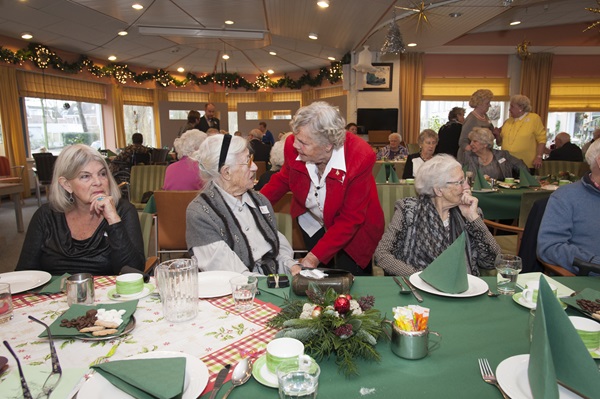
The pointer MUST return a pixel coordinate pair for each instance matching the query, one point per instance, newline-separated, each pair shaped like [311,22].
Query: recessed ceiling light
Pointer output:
[229,22]
[137,6]
[27,36]
[180,69]
[412,44]
[455,14]
[272,53]
[513,23]
[323,3]
[313,36]
[270,72]
[112,58]
[123,33]
[225,56]
[331,58]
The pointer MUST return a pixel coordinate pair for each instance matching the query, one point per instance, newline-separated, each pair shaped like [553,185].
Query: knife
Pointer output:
[220,380]
[412,288]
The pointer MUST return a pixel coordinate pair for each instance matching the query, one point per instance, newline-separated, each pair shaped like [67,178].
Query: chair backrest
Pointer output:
[140,158]
[284,206]
[379,137]
[4,166]
[159,156]
[262,168]
[145,178]
[171,209]
[44,165]
[390,193]
[555,167]
[146,226]
[528,249]
[527,200]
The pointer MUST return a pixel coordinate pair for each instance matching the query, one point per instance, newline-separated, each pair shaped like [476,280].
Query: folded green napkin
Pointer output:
[55,285]
[381,175]
[393,176]
[526,180]
[479,181]
[448,272]
[77,310]
[278,292]
[557,352]
[146,378]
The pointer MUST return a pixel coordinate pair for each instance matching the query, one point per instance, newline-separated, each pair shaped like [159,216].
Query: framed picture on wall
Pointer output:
[381,79]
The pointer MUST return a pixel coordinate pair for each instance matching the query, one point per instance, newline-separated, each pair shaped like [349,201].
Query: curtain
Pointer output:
[572,94]
[58,88]
[117,108]
[411,81]
[135,96]
[187,96]
[334,91]
[159,95]
[448,89]
[536,75]
[308,96]
[10,113]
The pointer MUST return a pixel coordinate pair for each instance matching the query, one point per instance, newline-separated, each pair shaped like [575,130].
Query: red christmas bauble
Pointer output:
[342,304]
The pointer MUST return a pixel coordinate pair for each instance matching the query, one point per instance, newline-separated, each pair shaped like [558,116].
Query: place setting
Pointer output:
[130,286]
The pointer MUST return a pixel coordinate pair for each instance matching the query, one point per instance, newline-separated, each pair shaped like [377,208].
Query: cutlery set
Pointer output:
[240,375]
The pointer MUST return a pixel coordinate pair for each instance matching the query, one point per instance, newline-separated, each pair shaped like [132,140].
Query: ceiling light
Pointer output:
[112,58]
[455,14]
[270,72]
[123,33]
[180,69]
[137,6]
[331,58]
[513,23]
[411,45]
[203,32]
[225,56]
[323,3]
[313,36]
[229,22]
[272,53]
[27,36]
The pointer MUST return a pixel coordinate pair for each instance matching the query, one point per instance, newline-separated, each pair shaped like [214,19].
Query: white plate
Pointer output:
[215,284]
[512,377]
[476,287]
[147,290]
[485,190]
[196,378]
[25,280]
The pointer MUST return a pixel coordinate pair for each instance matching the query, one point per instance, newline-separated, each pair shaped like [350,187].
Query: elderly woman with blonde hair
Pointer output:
[427,140]
[395,151]
[423,227]
[480,102]
[184,174]
[497,164]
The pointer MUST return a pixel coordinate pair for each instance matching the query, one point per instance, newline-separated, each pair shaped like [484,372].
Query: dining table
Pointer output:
[473,327]
[397,165]
[15,190]
[503,203]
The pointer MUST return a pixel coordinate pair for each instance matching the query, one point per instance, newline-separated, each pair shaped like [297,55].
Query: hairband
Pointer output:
[224,148]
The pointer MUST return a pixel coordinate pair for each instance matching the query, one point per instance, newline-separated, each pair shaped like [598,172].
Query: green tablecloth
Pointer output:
[495,328]
[502,204]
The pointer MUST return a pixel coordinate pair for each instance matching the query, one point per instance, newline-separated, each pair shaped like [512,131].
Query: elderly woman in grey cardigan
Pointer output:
[497,164]
[229,226]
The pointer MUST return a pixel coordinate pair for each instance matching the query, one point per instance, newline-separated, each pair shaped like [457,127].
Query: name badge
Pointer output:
[502,160]
[264,210]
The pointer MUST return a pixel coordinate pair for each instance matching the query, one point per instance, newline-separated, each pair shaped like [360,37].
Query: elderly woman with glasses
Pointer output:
[330,174]
[86,227]
[424,226]
[497,164]
[229,226]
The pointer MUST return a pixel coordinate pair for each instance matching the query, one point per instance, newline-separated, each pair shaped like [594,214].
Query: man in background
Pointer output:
[449,134]
[260,150]
[565,150]
[595,137]
[267,137]
[209,120]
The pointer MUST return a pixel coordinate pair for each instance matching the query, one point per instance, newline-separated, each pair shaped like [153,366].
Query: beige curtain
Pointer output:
[159,95]
[42,85]
[411,81]
[117,104]
[10,113]
[308,96]
[536,77]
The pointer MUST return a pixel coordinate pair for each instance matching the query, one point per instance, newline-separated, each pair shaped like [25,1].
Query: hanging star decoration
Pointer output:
[420,10]
[522,50]
[596,11]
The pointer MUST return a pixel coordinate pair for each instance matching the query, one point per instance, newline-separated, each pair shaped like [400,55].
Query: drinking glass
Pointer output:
[178,286]
[298,378]
[6,305]
[508,267]
[243,290]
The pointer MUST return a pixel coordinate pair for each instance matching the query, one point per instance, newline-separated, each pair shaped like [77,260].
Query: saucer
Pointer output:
[148,289]
[518,298]
[261,373]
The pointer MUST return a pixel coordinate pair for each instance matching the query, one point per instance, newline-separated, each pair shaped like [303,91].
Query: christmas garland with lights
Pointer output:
[42,57]
[332,324]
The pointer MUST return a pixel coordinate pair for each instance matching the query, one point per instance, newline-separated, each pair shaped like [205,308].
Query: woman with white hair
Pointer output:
[424,226]
[229,226]
[394,151]
[427,140]
[329,172]
[86,227]
[184,174]
[497,164]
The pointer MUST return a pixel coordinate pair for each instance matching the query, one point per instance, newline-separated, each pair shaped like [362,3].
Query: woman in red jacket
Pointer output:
[329,172]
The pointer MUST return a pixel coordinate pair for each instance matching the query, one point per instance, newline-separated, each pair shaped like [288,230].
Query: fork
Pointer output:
[56,374]
[488,376]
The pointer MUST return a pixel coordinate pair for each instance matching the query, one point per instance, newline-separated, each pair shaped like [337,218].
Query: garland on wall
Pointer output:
[42,57]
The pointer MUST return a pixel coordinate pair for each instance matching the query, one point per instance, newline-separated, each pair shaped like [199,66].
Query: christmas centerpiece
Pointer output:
[333,324]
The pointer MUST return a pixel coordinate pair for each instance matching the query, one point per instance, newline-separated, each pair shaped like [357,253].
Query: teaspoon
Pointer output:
[240,375]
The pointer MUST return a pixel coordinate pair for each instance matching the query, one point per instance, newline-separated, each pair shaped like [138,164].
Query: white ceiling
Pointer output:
[90,27]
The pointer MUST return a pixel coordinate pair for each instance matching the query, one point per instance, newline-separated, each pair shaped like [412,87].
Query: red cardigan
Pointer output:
[352,212]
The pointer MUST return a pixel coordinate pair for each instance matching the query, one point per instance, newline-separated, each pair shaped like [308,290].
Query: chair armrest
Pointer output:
[553,270]
[151,263]
[504,227]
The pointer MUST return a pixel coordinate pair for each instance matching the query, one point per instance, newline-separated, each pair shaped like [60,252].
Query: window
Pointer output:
[434,114]
[580,125]
[139,119]
[55,124]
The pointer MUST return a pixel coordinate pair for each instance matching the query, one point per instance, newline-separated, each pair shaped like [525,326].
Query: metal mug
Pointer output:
[80,289]
[412,344]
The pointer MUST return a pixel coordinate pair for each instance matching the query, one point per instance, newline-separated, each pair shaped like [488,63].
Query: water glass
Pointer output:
[298,378]
[243,290]
[508,268]
[178,286]
[80,289]
[6,305]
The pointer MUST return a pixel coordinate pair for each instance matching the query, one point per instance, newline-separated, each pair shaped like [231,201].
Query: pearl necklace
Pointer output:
[481,118]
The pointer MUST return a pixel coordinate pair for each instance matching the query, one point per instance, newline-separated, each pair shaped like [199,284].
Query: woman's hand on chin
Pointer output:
[468,206]
[104,205]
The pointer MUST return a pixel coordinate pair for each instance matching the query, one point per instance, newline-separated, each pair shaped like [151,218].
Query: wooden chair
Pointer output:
[159,156]
[44,167]
[284,206]
[262,168]
[555,167]
[170,220]
[11,174]
[553,270]
[388,195]
[146,226]
[145,178]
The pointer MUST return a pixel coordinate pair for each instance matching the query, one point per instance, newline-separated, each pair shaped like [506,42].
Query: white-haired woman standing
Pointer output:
[394,151]
[86,227]
[424,226]
[184,174]
[229,226]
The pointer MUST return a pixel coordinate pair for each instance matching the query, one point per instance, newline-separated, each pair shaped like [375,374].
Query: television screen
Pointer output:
[377,119]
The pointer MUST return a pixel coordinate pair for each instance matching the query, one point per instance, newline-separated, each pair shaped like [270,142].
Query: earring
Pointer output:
[70,198]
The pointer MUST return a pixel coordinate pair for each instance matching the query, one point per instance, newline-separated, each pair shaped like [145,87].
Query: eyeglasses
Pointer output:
[250,160]
[457,183]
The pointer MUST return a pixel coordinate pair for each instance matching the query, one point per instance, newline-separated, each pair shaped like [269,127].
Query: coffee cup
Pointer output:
[412,345]
[129,284]
[564,182]
[509,180]
[588,330]
[530,293]
[410,181]
[281,349]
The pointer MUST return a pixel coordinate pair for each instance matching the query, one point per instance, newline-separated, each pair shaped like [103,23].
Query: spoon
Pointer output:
[241,373]
[491,294]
